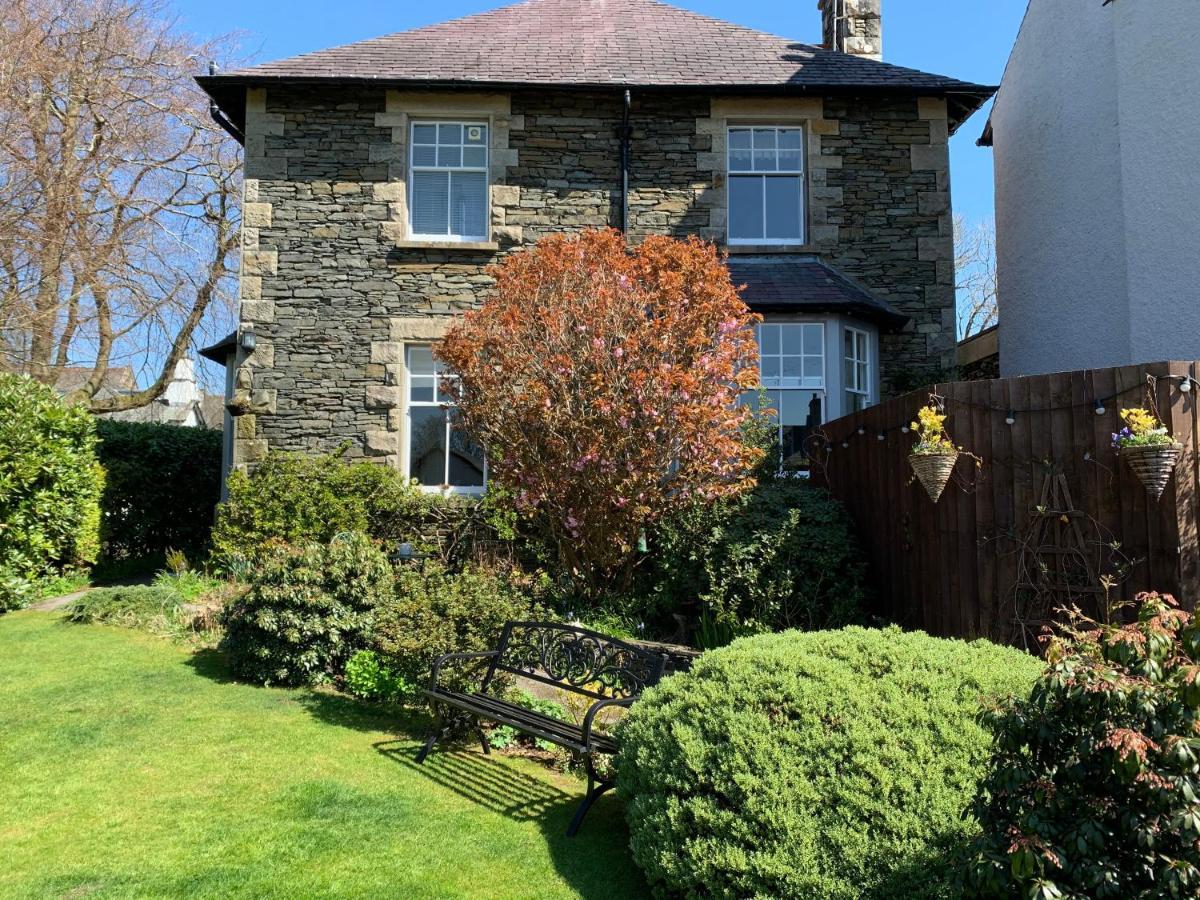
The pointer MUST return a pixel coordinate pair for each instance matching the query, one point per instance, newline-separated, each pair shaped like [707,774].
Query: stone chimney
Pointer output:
[853,26]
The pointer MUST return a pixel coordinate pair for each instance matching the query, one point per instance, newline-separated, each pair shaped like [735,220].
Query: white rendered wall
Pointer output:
[1097,155]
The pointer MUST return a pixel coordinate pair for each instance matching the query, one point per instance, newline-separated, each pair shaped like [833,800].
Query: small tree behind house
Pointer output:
[603,383]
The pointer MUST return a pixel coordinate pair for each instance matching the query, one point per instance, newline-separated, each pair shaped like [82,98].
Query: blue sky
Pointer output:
[967,39]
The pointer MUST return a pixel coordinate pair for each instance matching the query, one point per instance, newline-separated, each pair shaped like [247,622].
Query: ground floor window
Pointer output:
[858,369]
[438,453]
[798,415]
[804,383]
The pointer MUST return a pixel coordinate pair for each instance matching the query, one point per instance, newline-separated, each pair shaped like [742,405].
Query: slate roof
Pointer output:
[116,380]
[805,284]
[593,43]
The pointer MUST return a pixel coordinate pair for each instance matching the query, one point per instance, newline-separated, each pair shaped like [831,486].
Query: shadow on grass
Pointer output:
[211,664]
[348,712]
[320,702]
[596,862]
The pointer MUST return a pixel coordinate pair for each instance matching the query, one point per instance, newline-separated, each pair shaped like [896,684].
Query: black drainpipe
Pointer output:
[626,133]
[219,116]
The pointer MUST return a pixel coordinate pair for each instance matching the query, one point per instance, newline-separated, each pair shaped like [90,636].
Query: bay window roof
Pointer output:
[805,284]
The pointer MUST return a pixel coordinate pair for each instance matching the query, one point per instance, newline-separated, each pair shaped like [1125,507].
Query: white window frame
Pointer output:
[803,383]
[409,404]
[801,172]
[485,169]
[860,342]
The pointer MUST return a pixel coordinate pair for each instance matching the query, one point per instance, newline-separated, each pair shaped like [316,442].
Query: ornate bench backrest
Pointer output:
[577,659]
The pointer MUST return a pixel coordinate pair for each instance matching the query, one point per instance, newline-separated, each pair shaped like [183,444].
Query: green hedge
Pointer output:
[162,490]
[830,764]
[49,486]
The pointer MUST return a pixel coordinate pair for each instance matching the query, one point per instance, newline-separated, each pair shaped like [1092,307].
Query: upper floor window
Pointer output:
[766,185]
[448,181]
[858,370]
[439,454]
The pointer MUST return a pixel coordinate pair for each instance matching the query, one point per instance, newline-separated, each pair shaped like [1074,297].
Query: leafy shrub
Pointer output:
[307,609]
[297,499]
[436,611]
[504,737]
[369,677]
[603,382]
[162,488]
[821,764]
[16,592]
[1093,789]
[50,486]
[781,556]
[153,608]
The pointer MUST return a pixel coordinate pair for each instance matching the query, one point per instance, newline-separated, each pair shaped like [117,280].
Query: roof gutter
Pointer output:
[218,115]
[964,98]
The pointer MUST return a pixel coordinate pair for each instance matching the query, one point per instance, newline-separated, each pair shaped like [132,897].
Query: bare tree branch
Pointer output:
[975,265]
[118,194]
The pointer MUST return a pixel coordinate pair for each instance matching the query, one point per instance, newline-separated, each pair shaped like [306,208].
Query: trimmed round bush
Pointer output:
[307,610]
[821,764]
[49,486]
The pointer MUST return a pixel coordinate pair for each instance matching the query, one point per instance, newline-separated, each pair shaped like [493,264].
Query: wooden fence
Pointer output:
[1052,517]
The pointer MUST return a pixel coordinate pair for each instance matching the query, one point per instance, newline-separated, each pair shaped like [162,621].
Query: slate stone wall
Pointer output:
[332,291]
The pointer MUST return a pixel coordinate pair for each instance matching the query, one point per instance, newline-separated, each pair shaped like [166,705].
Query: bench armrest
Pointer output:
[596,707]
[454,657]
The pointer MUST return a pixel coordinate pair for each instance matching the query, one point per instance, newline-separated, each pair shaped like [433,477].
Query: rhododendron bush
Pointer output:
[1094,785]
[603,383]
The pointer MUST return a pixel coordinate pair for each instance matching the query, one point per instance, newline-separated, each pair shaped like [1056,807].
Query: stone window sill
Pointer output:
[762,249]
[477,246]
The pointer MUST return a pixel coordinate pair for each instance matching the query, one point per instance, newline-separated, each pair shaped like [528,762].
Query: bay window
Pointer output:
[857,370]
[766,185]
[438,453]
[448,181]
[792,374]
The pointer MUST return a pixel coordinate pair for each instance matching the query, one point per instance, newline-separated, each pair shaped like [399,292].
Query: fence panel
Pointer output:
[1052,517]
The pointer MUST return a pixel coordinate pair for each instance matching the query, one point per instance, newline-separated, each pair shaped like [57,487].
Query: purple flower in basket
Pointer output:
[1120,437]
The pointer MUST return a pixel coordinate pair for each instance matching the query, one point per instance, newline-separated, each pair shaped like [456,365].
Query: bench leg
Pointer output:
[438,731]
[595,789]
[483,738]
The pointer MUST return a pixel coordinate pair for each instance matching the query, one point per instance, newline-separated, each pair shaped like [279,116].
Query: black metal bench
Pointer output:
[611,672]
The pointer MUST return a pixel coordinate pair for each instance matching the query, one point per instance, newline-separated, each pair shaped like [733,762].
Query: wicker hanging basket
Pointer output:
[933,470]
[1153,464]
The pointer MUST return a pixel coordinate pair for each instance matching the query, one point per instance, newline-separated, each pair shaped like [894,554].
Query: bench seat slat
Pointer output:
[565,734]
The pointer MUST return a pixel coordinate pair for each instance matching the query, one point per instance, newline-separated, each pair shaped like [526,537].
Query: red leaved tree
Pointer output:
[603,383]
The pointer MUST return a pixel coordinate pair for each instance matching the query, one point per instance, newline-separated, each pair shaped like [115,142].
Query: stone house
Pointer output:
[382,177]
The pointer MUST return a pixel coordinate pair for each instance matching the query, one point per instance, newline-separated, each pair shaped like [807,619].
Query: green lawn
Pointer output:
[130,766]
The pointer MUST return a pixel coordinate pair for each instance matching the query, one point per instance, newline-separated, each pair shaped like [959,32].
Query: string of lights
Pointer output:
[1099,405]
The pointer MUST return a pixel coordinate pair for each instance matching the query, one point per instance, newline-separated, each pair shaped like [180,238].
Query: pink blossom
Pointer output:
[618,352]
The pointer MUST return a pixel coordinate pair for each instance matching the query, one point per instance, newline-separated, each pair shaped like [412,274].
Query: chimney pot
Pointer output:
[853,26]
